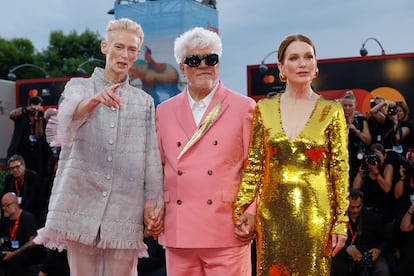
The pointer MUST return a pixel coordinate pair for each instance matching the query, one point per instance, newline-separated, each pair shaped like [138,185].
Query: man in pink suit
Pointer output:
[203,136]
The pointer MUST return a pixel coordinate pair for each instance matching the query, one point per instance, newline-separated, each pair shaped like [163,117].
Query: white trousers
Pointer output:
[91,261]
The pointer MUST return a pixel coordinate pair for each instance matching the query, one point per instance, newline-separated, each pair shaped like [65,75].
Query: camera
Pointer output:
[362,267]
[395,158]
[5,245]
[392,110]
[38,114]
[373,159]
[366,263]
[372,103]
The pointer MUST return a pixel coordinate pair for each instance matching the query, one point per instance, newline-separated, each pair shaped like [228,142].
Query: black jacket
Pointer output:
[32,193]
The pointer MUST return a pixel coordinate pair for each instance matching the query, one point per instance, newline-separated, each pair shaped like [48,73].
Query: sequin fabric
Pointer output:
[301,187]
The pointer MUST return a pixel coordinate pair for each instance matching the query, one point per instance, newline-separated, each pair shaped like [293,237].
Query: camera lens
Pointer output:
[392,110]
[373,159]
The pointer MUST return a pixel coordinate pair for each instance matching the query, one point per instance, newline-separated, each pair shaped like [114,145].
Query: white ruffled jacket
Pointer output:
[109,168]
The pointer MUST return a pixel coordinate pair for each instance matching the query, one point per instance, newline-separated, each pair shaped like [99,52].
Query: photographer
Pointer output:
[375,127]
[393,122]
[404,186]
[375,179]
[404,196]
[359,136]
[28,138]
[406,267]
[362,253]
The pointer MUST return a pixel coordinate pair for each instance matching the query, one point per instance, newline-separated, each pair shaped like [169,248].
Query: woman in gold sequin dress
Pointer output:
[297,171]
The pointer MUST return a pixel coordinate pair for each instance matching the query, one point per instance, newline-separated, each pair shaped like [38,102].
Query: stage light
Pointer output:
[364,51]
[81,71]
[263,67]
[12,75]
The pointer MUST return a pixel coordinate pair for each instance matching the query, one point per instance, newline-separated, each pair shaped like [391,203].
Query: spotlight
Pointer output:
[364,51]
[81,71]
[263,67]
[12,76]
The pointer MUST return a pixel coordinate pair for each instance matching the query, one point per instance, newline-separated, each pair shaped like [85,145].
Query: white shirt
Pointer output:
[199,108]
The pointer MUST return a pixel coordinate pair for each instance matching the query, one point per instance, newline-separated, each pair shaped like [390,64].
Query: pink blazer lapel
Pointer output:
[184,115]
[219,96]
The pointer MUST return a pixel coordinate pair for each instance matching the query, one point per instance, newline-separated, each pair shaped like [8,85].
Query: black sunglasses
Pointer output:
[195,61]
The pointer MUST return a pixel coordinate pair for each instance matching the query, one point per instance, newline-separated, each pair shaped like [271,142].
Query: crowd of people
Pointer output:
[121,187]
[382,167]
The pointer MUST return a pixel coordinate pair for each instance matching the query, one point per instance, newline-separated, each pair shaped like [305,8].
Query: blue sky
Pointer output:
[249,29]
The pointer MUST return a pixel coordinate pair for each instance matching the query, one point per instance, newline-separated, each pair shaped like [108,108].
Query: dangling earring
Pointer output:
[282,77]
[316,75]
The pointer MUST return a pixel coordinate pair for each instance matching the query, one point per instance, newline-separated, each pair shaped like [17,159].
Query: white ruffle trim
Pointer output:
[58,240]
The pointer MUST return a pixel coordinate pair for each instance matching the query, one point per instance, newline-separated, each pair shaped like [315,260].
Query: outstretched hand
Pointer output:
[108,96]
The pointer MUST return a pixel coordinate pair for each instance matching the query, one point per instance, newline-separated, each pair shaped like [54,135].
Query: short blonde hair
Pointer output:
[126,25]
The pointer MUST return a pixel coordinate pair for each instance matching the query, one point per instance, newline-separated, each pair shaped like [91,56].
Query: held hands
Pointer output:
[338,242]
[153,220]
[245,228]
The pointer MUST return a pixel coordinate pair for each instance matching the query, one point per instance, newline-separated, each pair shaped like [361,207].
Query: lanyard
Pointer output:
[17,186]
[32,131]
[13,230]
[354,235]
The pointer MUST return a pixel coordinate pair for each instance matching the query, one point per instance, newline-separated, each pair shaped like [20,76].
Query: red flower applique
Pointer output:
[272,151]
[315,154]
[278,270]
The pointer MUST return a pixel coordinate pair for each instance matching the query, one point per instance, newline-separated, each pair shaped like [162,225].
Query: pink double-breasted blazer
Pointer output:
[200,186]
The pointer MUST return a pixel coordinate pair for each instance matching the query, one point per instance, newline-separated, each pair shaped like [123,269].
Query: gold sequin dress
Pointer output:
[301,187]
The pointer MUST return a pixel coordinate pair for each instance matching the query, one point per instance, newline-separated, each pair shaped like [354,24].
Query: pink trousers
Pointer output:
[231,261]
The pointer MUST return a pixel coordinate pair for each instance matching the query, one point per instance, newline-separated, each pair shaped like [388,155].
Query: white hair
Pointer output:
[196,38]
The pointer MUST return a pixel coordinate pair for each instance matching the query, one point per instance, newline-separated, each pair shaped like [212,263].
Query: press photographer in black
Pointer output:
[28,139]
[392,117]
[406,267]
[359,136]
[362,253]
[375,179]
[403,241]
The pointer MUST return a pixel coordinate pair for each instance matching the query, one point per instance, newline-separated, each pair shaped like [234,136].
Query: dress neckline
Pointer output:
[306,124]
